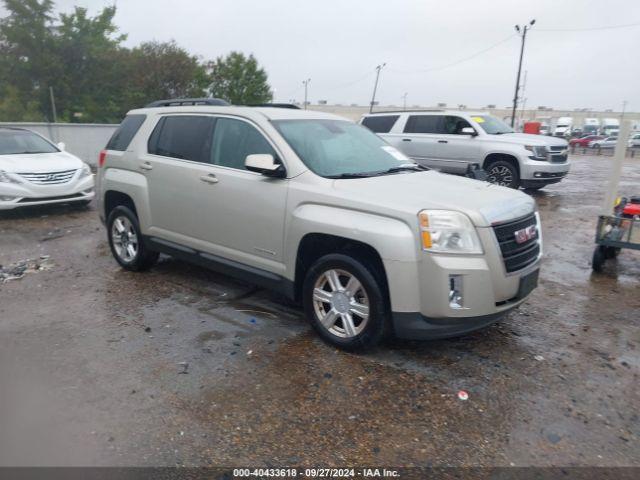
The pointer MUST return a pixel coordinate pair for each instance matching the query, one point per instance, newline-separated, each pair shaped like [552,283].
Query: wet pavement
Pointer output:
[181,366]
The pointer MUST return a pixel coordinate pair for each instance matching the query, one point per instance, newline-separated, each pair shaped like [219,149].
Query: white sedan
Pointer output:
[609,142]
[34,171]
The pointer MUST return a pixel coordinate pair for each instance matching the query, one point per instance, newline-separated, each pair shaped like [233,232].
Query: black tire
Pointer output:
[143,258]
[375,328]
[598,259]
[503,173]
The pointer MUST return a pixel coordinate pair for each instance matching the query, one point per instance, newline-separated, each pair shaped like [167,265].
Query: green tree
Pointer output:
[239,80]
[159,70]
[13,108]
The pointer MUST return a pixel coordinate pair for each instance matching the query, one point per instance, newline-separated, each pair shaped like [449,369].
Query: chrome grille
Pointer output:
[558,153]
[50,178]
[517,256]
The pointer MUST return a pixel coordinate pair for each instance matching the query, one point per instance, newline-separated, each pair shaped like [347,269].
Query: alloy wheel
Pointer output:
[500,175]
[341,303]
[125,239]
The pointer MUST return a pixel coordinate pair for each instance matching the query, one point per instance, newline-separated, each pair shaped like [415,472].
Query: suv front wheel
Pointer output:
[126,242]
[345,302]
[503,173]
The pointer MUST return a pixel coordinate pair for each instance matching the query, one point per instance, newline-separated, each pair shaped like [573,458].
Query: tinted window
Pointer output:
[184,136]
[380,123]
[122,137]
[454,125]
[234,140]
[15,142]
[424,124]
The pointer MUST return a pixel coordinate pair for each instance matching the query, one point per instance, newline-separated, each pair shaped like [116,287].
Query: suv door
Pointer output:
[201,195]
[458,150]
[419,139]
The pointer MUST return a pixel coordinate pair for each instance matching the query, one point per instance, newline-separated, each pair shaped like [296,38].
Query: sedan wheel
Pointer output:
[341,303]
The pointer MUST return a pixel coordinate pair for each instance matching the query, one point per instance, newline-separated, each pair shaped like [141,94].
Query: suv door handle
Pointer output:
[443,141]
[406,139]
[146,166]
[211,178]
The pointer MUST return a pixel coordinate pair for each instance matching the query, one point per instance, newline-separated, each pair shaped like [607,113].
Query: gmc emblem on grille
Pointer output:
[526,234]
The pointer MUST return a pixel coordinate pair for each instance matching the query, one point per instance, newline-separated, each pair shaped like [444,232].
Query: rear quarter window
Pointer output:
[122,137]
[380,123]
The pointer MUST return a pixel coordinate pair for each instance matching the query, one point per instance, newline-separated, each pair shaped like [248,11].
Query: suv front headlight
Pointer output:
[448,231]
[86,171]
[539,153]
[4,178]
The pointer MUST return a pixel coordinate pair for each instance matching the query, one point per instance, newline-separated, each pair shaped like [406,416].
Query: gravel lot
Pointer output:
[91,356]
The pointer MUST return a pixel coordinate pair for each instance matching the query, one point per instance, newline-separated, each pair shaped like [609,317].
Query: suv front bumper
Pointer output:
[543,171]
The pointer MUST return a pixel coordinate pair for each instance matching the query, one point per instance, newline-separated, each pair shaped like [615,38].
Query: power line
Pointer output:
[588,29]
[462,60]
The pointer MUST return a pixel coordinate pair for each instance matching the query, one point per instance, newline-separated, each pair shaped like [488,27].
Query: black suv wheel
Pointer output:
[503,173]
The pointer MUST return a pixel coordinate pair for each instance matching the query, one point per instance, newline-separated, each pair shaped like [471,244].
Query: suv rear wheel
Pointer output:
[503,173]
[345,302]
[126,242]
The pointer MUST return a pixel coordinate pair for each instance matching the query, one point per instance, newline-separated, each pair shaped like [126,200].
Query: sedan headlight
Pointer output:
[4,178]
[448,231]
[86,171]
[538,152]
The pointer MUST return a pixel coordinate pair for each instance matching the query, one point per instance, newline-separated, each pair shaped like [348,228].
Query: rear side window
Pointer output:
[122,137]
[187,137]
[425,124]
[380,123]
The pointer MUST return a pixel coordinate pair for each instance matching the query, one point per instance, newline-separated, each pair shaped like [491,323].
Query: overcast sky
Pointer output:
[338,43]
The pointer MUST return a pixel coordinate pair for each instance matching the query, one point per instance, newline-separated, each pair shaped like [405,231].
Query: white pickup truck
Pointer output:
[451,141]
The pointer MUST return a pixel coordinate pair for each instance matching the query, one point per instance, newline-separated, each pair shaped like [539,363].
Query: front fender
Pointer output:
[393,239]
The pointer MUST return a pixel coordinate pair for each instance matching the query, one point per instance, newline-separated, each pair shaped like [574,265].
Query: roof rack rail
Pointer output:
[179,102]
[409,110]
[274,105]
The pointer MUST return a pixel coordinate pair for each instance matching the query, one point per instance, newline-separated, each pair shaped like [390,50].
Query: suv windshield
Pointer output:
[492,125]
[334,148]
[15,142]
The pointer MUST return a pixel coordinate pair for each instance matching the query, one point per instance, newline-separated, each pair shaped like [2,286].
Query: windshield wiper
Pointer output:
[412,167]
[352,175]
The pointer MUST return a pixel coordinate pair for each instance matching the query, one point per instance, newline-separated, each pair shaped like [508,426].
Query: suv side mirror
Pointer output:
[469,131]
[61,146]
[265,164]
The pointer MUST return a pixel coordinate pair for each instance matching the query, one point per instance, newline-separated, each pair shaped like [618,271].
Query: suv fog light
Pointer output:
[6,198]
[456,298]
[537,174]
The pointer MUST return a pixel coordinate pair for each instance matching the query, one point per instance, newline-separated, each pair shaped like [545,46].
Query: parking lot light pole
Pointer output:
[523,34]
[306,88]
[375,86]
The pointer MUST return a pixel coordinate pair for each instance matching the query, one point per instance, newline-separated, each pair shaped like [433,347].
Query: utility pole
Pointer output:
[523,34]
[404,101]
[624,107]
[53,106]
[375,86]
[306,88]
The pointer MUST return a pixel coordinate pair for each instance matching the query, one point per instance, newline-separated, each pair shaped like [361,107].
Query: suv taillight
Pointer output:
[101,158]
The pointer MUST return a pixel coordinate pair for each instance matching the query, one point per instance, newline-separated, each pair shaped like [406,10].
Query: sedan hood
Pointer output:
[484,203]
[39,162]
[529,139]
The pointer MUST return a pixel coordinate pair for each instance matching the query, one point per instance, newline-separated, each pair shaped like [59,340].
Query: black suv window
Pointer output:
[234,140]
[122,137]
[380,123]
[454,125]
[424,124]
[187,137]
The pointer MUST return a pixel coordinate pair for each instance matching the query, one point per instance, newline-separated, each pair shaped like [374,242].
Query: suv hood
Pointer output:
[483,202]
[39,162]
[528,139]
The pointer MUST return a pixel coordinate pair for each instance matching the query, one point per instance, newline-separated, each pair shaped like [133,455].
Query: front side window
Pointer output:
[331,148]
[424,124]
[16,142]
[454,125]
[380,123]
[493,125]
[187,137]
[233,140]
